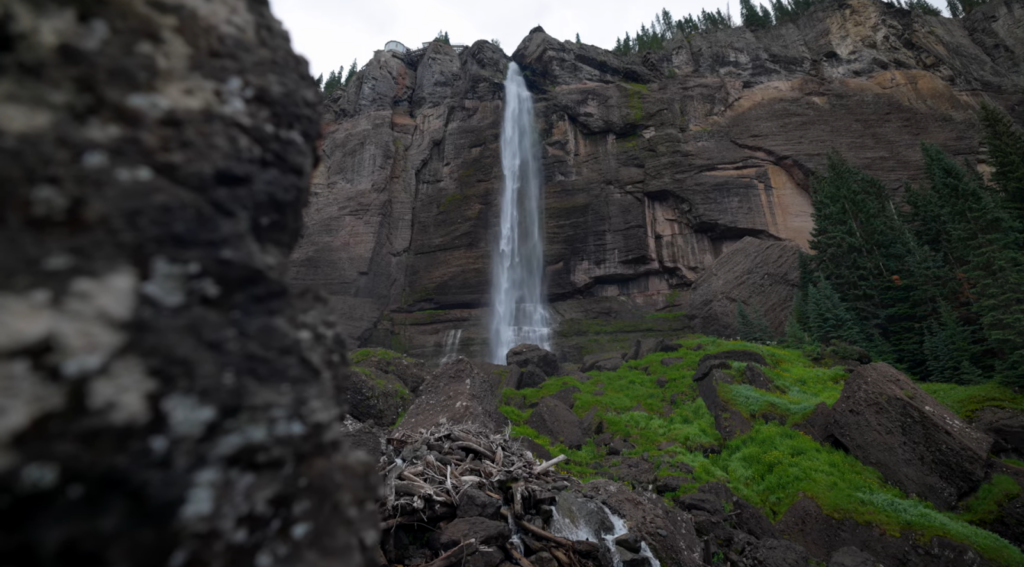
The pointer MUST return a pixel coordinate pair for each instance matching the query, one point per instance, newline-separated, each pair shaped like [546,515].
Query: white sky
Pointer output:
[330,33]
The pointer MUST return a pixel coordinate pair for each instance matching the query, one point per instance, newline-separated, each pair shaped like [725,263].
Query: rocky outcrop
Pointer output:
[457,393]
[525,356]
[1005,427]
[889,423]
[554,420]
[654,169]
[166,400]
[762,275]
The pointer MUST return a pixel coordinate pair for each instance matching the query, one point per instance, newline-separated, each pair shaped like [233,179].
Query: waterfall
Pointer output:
[519,312]
[451,345]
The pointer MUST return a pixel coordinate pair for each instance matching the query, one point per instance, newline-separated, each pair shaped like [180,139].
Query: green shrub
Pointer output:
[987,502]
[965,401]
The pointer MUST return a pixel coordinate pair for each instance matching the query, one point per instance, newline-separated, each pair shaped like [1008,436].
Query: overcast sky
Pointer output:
[330,33]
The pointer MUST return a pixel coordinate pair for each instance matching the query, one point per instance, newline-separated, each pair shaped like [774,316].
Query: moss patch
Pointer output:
[365,354]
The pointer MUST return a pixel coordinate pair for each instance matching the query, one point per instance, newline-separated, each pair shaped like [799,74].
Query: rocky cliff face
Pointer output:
[654,166]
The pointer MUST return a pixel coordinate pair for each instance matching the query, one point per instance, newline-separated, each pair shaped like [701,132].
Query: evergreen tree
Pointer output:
[752,18]
[828,319]
[955,11]
[1005,145]
[320,82]
[351,72]
[577,38]
[627,45]
[923,7]
[333,80]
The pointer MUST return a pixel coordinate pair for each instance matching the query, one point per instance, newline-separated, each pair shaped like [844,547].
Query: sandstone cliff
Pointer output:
[654,167]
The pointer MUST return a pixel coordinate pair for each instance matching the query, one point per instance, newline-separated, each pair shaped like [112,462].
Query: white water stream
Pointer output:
[564,527]
[519,312]
[451,345]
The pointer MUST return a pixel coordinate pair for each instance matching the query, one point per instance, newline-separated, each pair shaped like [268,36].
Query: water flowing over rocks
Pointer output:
[653,171]
[164,400]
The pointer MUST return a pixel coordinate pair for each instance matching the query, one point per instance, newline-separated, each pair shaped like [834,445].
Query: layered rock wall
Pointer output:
[654,166]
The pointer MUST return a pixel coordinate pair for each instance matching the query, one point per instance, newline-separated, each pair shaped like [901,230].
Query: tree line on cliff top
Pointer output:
[933,282]
[664,27]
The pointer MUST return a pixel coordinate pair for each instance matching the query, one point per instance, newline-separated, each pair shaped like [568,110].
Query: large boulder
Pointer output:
[891,424]
[553,419]
[457,392]
[729,421]
[824,537]
[761,274]
[375,397]
[526,355]
[1006,427]
[166,399]
[605,362]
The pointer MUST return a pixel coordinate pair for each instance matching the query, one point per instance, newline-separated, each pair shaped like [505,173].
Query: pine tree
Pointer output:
[320,82]
[955,11]
[828,318]
[1005,145]
[577,38]
[351,72]
[923,7]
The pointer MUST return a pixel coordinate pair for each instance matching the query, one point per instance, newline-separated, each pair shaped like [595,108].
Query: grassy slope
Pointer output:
[772,466]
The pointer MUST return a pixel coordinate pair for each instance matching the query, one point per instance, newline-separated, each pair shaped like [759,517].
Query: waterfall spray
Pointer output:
[519,310]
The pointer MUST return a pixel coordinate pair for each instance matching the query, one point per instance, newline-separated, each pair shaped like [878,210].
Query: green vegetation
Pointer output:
[452,200]
[773,466]
[634,94]
[378,353]
[990,498]
[965,401]
[664,27]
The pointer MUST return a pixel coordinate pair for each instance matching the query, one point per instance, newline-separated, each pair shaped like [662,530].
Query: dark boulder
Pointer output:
[721,360]
[607,362]
[818,425]
[375,397]
[645,347]
[759,273]
[552,419]
[1005,426]
[565,396]
[777,553]
[805,524]
[536,449]
[474,503]
[526,355]
[889,423]
[529,377]
[852,557]
[484,531]
[356,436]
[457,392]
[743,515]
[729,421]
[635,471]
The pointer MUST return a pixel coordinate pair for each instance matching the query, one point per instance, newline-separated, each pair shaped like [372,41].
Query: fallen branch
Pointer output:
[541,533]
[524,562]
[475,448]
[456,555]
[548,464]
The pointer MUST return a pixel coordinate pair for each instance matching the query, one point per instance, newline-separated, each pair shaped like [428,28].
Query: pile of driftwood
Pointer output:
[426,474]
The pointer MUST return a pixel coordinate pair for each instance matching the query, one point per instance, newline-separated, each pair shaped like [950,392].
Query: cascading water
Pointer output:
[519,310]
[451,345]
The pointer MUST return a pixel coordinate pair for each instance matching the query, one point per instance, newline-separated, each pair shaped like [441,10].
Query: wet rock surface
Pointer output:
[888,422]
[166,400]
[525,356]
